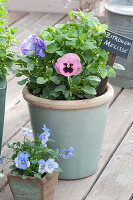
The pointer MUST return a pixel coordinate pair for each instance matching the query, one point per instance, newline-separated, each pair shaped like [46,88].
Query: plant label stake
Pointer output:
[117,45]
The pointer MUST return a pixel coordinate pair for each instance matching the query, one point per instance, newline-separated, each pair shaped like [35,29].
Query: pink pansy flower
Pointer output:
[68,65]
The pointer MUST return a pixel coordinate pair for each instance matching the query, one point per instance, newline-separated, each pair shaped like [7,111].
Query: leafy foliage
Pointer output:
[82,38]
[6,41]
[37,151]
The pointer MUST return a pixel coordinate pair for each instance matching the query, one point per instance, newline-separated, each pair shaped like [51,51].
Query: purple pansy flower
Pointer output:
[26,131]
[51,165]
[28,45]
[67,153]
[68,65]
[1,160]
[33,43]
[21,161]
[41,169]
[39,47]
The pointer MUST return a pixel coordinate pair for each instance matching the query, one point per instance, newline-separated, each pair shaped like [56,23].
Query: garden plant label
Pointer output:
[116,44]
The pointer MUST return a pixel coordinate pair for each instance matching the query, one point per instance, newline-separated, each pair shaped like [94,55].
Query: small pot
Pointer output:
[2,106]
[31,188]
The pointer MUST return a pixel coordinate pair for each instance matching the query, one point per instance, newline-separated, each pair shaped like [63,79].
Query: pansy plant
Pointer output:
[34,157]
[65,62]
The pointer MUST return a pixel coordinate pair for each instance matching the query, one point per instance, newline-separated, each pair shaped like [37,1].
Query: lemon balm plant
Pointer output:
[7,40]
[63,67]
[34,163]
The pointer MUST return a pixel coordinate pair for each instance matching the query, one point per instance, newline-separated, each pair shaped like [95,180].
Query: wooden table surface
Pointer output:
[114,177]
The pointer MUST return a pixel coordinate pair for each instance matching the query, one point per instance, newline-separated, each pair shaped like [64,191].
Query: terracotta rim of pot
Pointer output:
[69,105]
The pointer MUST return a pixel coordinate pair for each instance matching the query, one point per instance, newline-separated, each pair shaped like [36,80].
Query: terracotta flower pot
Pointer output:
[31,188]
[78,123]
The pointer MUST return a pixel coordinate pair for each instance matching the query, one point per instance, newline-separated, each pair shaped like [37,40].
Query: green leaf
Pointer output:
[94,78]
[12,167]
[2,52]
[102,28]
[46,35]
[37,176]
[36,91]
[52,48]
[103,72]
[2,40]
[60,88]
[61,53]
[24,176]
[71,14]
[59,169]
[118,66]
[49,72]
[41,80]
[14,30]
[89,90]
[111,72]
[55,79]
[23,81]
[15,173]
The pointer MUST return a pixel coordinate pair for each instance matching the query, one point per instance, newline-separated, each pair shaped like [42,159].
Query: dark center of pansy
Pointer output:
[68,68]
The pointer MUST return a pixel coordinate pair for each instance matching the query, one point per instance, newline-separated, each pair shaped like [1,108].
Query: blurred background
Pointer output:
[58,6]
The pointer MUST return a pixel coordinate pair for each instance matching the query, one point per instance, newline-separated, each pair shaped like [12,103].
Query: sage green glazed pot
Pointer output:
[2,106]
[79,124]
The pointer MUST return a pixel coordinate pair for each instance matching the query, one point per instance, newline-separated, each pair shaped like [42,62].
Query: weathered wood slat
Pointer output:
[116,182]
[119,120]
[13,16]
[120,112]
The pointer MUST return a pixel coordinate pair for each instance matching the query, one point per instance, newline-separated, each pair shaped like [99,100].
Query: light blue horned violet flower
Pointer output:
[67,153]
[1,160]
[21,161]
[41,169]
[26,131]
[45,135]
[51,165]
[33,43]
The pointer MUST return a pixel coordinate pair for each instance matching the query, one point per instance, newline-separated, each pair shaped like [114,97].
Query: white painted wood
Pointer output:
[54,6]
[116,182]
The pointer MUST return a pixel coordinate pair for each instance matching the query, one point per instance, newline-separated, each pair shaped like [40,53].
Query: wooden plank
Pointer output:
[13,16]
[22,24]
[117,91]
[121,109]
[117,178]
[119,119]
